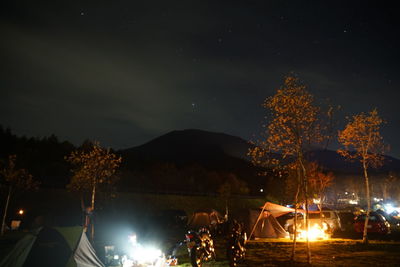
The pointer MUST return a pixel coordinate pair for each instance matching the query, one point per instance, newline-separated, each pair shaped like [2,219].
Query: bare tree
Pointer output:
[330,125]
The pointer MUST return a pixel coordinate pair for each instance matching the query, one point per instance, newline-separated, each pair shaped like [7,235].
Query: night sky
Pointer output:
[124,72]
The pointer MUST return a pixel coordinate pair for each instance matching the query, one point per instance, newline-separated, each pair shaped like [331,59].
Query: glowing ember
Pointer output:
[315,232]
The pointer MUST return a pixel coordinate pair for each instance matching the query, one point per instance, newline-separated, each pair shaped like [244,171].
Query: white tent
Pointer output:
[61,246]
[266,224]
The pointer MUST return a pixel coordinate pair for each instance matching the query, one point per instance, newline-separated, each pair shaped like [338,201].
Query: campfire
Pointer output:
[315,232]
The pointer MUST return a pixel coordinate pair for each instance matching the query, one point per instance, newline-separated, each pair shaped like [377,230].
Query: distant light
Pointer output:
[389,208]
[317,201]
[346,193]
[353,202]
[261,190]
[133,239]
[21,212]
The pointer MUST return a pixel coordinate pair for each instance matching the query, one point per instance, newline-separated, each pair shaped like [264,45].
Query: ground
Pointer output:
[276,252]
[269,252]
[335,252]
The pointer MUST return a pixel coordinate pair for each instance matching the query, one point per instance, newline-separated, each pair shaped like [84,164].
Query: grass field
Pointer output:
[59,202]
[335,252]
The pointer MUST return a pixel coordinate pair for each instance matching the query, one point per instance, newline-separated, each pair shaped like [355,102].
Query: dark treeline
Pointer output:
[205,172]
[42,157]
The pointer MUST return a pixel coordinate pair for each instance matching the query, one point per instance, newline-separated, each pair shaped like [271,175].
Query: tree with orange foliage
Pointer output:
[14,179]
[293,127]
[362,140]
[318,181]
[92,168]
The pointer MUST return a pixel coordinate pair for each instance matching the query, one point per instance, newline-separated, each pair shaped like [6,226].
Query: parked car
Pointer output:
[330,218]
[376,224]
[347,221]
[392,220]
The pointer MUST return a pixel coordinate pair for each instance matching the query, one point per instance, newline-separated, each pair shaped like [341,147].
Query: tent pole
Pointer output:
[258,219]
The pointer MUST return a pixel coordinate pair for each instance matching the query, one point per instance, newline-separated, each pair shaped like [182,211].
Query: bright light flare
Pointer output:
[316,232]
[133,239]
[21,212]
[142,255]
[146,255]
[390,208]
[127,262]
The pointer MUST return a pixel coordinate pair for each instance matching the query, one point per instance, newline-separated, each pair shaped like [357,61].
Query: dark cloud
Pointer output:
[125,72]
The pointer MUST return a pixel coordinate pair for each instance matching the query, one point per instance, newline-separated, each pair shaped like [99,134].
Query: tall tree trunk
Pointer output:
[85,217]
[365,232]
[296,200]
[3,223]
[92,211]
[226,209]
[305,188]
[320,209]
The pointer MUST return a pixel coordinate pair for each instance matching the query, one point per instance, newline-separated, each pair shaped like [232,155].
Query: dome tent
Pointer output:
[58,246]
[263,224]
[204,218]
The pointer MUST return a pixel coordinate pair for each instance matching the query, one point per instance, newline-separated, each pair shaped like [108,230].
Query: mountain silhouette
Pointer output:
[191,145]
[210,148]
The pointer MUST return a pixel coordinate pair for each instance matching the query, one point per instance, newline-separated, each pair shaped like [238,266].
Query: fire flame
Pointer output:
[316,232]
